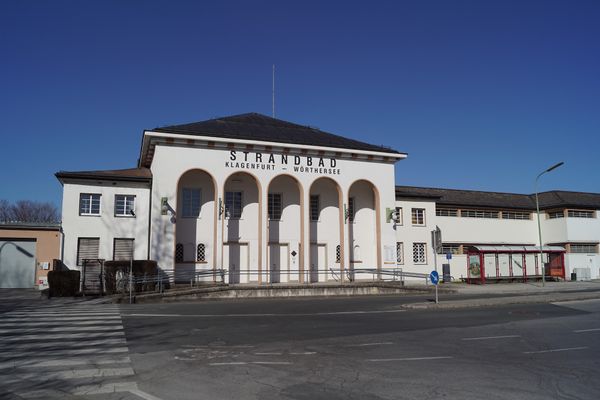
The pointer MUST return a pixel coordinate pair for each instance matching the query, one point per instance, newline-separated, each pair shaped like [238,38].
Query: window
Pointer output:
[419,253]
[418,216]
[450,248]
[399,253]
[124,205]
[87,249]
[201,253]
[446,212]
[516,215]
[398,211]
[123,249]
[580,214]
[314,208]
[274,206]
[89,204]
[179,252]
[556,214]
[583,248]
[233,204]
[479,214]
[190,203]
[351,209]
[338,253]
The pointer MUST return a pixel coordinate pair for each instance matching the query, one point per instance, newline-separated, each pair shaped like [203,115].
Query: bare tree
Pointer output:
[5,211]
[28,211]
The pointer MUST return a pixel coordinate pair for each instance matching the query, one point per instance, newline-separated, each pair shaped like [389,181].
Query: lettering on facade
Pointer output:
[271,162]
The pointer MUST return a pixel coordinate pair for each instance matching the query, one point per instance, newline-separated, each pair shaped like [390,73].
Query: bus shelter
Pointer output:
[514,263]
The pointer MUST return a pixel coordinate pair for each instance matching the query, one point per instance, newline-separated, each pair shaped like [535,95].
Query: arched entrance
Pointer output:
[195,224]
[326,260]
[285,229]
[364,236]
[242,228]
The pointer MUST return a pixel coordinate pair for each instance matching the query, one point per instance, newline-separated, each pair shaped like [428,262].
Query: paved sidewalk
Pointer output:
[511,293]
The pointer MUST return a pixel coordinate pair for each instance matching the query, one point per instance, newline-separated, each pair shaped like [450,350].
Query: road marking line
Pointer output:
[554,350]
[143,395]
[41,363]
[61,336]
[64,329]
[228,363]
[305,353]
[74,374]
[492,337]
[408,359]
[369,344]
[267,354]
[104,388]
[58,345]
[587,330]
[271,362]
[85,351]
[261,315]
[53,319]
[51,324]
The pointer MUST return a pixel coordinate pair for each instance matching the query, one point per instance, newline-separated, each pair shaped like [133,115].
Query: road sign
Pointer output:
[434,277]
[448,256]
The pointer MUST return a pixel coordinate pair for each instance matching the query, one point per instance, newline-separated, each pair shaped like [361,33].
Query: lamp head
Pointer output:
[555,166]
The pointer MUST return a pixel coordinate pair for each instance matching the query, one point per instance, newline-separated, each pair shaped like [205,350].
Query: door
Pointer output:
[17,263]
[235,260]
[318,261]
[278,262]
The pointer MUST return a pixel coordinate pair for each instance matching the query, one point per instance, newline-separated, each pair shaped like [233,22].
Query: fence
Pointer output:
[165,278]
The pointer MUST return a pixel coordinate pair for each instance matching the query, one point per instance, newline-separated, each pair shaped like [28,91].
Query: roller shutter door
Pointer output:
[17,263]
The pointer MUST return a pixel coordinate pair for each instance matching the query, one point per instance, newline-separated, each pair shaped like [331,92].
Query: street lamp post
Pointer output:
[537,206]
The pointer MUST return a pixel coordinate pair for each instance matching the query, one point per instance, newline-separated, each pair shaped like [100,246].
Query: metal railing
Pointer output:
[165,278]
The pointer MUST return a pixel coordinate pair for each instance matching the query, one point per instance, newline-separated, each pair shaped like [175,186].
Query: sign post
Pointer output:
[434,277]
[436,242]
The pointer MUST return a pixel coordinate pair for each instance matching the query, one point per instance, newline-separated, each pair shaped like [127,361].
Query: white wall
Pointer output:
[170,162]
[105,226]
[407,233]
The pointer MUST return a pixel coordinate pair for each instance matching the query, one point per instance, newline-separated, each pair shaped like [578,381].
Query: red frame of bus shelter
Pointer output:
[481,255]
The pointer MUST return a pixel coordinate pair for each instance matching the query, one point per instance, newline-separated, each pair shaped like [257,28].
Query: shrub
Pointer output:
[141,268]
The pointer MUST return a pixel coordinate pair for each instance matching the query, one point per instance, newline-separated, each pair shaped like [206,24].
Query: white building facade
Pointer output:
[263,199]
[268,201]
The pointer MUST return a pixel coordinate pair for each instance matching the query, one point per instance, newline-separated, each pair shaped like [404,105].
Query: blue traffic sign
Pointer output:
[448,256]
[434,277]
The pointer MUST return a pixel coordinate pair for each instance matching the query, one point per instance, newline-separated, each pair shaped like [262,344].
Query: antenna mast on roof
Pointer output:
[273,90]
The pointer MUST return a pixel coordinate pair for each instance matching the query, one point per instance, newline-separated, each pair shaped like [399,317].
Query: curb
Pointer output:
[501,301]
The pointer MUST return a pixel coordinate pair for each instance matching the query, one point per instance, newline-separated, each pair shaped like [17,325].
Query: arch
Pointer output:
[327,246]
[275,245]
[188,227]
[241,243]
[355,232]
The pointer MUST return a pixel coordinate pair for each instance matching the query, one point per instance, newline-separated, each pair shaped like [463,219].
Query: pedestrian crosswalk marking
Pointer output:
[53,352]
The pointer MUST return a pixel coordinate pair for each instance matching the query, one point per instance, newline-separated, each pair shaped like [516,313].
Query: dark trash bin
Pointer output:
[573,276]
[446,273]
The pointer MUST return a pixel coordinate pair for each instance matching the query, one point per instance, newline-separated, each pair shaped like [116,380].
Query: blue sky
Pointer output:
[482,94]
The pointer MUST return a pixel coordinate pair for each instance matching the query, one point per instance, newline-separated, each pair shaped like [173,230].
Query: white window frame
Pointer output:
[228,213]
[187,204]
[126,212]
[416,260]
[271,206]
[90,199]
[415,217]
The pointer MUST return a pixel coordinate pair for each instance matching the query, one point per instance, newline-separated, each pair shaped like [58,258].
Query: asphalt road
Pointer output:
[363,348]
